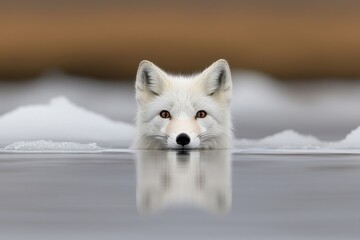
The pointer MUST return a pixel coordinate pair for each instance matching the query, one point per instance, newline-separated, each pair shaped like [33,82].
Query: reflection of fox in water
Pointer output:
[201,179]
[183,111]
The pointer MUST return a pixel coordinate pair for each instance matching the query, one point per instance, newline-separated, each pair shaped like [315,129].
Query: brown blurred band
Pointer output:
[109,42]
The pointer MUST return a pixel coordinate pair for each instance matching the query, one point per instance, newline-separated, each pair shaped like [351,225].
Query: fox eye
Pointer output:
[201,114]
[165,114]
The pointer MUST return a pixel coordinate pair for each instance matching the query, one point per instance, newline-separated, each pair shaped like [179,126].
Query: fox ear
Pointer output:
[150,80]
[217,79]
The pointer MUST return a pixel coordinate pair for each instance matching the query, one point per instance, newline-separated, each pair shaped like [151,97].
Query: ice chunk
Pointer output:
[292,142]
[352,140]
[285,139]
[61,120]
[290,138]
[43,145]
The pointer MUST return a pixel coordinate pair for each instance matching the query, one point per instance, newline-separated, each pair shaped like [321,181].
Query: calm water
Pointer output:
[175,195]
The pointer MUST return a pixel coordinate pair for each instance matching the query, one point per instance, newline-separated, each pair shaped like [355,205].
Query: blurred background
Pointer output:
[296,63]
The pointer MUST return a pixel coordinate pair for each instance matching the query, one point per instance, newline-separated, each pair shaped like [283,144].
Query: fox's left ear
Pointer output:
[217,79]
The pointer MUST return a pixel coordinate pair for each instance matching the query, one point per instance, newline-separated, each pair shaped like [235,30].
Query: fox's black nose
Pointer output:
[183,139]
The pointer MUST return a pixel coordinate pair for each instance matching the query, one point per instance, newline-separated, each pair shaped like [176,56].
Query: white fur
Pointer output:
[183,97]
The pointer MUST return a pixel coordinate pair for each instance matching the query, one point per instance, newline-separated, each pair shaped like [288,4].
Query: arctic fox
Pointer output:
[183,112]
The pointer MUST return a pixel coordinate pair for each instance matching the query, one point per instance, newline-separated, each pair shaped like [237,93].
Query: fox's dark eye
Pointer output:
[201,114]
[165,114]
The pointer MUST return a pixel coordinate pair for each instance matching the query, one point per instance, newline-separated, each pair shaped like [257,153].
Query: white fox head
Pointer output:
[183,111]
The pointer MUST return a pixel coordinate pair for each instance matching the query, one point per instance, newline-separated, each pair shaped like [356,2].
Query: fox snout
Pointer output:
[182,132]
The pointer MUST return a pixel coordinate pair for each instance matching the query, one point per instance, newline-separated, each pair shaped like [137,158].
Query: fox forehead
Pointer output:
[180,84]
[182,102]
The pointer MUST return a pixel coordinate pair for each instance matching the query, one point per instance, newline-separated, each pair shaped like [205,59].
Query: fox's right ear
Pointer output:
[150,81]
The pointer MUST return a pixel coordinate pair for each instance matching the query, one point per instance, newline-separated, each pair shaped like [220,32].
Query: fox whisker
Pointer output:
[162,137]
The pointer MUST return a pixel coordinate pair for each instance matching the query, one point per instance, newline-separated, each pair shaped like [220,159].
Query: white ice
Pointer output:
[352,140]
[50,146]
[62,121]
[290,141]
[285,139]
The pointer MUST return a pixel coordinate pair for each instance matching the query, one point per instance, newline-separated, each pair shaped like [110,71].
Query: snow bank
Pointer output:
[352,140]
[285,139]
[61,126]
[290,141]
[61,120]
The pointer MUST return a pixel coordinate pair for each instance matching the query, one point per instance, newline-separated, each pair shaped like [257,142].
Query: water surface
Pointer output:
[179,195]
